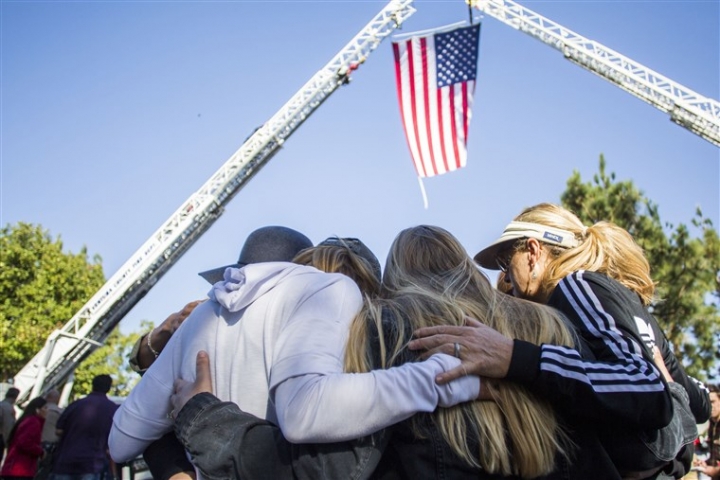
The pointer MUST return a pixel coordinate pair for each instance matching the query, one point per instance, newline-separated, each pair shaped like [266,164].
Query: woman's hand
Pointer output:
[483,351]
[660,364]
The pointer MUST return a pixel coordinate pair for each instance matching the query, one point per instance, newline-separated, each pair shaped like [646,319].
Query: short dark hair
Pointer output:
[12,392]
[713,388]
[101,383]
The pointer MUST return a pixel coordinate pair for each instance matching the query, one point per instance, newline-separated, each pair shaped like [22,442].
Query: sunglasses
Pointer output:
[352,243]
[504,258]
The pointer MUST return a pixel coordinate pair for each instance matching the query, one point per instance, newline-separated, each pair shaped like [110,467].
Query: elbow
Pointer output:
[701,414]
[118,456]
[295,437]
[700,406]
[304,426]
[293,429]
[116,450]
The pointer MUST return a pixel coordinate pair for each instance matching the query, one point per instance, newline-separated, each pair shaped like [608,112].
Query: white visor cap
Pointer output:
[486,258]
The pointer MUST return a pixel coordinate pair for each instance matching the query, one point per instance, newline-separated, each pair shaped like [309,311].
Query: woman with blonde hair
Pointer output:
[348,256]
[429,281]
[600,279]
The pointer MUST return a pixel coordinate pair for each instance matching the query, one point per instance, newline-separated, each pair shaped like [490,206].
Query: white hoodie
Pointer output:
[283,325]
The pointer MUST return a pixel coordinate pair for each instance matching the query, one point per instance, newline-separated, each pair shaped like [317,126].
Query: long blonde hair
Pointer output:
[341,259]
[604,247]
[430,280]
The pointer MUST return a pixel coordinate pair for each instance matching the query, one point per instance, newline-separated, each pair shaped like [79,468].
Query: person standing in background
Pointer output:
[83,429]
[49,435]
[24,449]
[711,465]
[7,417]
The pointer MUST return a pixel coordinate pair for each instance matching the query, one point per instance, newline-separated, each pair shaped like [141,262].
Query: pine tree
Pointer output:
[686,267]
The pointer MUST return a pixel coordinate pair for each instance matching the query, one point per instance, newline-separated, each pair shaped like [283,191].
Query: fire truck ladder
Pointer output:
[699,114]
[65,348]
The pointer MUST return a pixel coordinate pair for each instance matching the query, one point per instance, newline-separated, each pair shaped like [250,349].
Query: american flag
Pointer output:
[435,73]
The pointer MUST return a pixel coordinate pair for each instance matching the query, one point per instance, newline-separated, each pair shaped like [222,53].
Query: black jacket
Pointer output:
[610,383]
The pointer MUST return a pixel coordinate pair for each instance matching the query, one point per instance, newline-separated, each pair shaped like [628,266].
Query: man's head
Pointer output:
[52,396]
[101,384]
[714,402]
[266,244]
[12,394]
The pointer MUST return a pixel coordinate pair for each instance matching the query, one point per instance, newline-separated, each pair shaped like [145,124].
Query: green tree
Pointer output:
[685,267]
[41,288]
[110,359]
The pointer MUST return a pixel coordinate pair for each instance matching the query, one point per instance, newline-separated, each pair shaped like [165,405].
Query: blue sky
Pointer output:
[115,112]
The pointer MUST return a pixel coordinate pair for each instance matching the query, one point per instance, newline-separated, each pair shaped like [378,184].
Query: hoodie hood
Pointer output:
[242,286]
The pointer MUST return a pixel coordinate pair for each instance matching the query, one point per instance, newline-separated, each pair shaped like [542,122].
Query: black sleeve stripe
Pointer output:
[595,319]
[631,372]
[603,377]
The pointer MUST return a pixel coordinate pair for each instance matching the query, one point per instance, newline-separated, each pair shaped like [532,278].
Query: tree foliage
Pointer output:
[684,266]
[110,359]
[41,288]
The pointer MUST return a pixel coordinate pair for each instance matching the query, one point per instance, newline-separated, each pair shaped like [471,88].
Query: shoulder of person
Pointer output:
[600,284]
[72,406]
[591,278]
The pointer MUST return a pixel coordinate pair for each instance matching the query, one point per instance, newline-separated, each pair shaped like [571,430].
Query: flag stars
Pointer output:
[457,55]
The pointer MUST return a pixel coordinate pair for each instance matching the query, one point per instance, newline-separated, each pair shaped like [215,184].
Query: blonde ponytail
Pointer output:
[603,247]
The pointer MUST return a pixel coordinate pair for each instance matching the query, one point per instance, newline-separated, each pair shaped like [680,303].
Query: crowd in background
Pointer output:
[49,442]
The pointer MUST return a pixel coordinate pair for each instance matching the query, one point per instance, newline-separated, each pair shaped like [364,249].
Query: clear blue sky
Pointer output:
[115,112]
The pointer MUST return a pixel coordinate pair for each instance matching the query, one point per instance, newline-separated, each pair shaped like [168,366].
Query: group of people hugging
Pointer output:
[307,362]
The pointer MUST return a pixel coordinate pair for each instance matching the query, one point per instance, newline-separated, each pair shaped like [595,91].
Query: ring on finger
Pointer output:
[457,350]
[171,414]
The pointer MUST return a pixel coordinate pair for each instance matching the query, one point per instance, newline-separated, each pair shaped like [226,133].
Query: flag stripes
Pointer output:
[435,79]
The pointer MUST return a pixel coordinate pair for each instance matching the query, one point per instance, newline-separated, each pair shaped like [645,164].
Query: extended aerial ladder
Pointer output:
[699,114]
[66,347]
[89,327]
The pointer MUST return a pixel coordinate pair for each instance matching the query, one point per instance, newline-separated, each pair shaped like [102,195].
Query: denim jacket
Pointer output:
[226,443]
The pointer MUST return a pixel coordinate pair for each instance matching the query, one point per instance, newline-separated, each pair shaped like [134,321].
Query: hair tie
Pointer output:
[584,231]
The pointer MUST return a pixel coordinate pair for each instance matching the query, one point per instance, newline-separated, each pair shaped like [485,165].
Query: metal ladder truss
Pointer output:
[66,347]
[699,114]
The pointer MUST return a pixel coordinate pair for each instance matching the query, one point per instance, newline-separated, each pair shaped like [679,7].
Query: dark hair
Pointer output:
[713,388]
[101,383]
[12,392]
[30,410]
